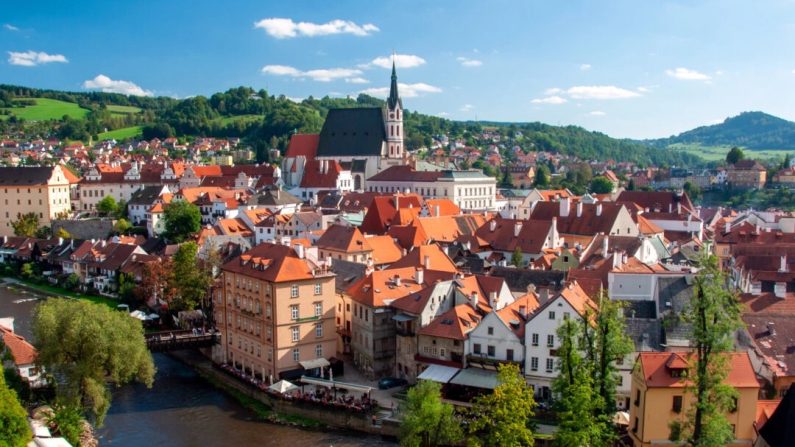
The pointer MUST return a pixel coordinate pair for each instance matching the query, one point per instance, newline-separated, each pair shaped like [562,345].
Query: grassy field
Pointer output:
[123,110]
[714,153]
[121,134]
[231,119]
[59,292]
[47,109]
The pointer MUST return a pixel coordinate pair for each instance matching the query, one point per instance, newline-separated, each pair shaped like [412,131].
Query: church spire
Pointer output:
[394,98]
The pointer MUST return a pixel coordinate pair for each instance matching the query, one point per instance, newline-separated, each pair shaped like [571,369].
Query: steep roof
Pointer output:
[531,237]
[321,174]
[352,132]
[433,254]
[271,262]
[454,324]
[25,176]
[23,352]
[405,173]
[382,211]
[661,200]
[657,369]
[379,288]
[595,217]
[302,144]
[385,250]
[343,238]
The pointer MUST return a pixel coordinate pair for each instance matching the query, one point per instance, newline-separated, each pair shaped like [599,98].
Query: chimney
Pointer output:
[531,288]
[492,225]
[728,227]
[420,275]
[473,300]
[543,295]
[426,262]
[493,300]
[579,208]
[436,211]
[517,228]
[564,207]
[523,311]
[299,249]
[605,246]
[598,209]
[783,267]
[771,328]
[397,280]
[678,208]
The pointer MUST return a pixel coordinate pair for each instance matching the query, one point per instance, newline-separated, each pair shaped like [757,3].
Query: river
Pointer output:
[182,409]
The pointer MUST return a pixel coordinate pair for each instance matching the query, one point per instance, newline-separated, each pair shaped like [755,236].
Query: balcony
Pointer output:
[489,362]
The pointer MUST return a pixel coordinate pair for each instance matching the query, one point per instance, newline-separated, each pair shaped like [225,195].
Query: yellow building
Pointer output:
[275,309]
[42,190]
[659,396]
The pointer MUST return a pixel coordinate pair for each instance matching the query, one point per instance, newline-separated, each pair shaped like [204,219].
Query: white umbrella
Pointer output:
[138,314]
[282,386]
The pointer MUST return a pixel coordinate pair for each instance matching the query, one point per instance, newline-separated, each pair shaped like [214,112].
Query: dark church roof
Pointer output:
[779,430]
[351,132]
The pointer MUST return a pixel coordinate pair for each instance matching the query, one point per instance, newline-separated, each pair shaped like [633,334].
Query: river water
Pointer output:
[182,409]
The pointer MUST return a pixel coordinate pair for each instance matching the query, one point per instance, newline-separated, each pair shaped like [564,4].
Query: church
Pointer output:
[356,143]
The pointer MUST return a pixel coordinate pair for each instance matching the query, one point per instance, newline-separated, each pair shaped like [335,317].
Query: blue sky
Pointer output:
[628,68]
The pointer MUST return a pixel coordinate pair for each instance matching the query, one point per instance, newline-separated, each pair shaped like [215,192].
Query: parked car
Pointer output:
[391,382]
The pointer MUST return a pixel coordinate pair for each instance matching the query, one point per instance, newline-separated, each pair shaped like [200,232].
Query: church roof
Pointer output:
[352,132]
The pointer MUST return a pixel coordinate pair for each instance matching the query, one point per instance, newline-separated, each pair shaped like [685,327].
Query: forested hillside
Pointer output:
[264,120]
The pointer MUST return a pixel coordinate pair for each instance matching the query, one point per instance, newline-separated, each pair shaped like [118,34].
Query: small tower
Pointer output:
[393,119]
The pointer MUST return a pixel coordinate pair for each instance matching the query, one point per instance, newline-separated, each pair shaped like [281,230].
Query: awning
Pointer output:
[438,373]
[334,383]
[477,378]
[314,363]
[402,317]
[282,386]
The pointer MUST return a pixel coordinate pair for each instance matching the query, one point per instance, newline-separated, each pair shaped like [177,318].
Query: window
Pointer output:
[637,398]
[294,291]
[550,341]
[491,330]
[550,365]
[476,348]
[318,289]
[551,314]
[491,350]
[296,333]
[535,339]
[318,309]
[319,330]
[533,363]
[318,351]
[509,355]
[296,355]
[294,312]
[566,315]
[442,352]
[677,404]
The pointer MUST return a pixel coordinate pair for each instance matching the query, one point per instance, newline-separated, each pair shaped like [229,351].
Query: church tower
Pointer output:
[393,119]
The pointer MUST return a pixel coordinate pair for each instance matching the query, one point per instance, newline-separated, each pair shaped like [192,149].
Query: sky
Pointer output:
[636,69]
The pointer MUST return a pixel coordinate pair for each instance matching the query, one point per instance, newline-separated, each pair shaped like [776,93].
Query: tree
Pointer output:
[62,233]
[182,219]
[542,177]
[86,346]
[156,282]
[428,421]
[503,417]
[576,398]
[714,314]
[14,429]
[72,282]
[692,190]
[601,185]
[735,154]
[631,185]
[122,226]
[121,209]
[190,280]
[517,258]
[26,225]
[107,206]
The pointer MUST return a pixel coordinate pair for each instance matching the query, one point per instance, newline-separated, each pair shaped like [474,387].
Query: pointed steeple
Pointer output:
[394,98]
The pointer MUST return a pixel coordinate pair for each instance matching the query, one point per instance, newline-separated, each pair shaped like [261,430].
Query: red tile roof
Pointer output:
[303,144]
[454,324]
[23,352]
[272,262]
[657,373]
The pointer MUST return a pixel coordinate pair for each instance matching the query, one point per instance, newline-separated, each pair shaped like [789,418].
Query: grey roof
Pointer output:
[678,291]
[519,279]
[273,197]
[647,334]
[347,273]
[23,176]
[640,309]
[145,196]
[352,132]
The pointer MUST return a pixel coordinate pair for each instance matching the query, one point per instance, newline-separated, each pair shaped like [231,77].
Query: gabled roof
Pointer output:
[382,210]
[352,132]
[590,222]
[531,237]
[272,262]
[513,313]
[303,144]
[450,228]
[385,250]
[23,352]
[454,324]
[379,288]
[657,200]
[321,174]
[25,176]
[405,173]
[343,238]
[436,259]
[657,372]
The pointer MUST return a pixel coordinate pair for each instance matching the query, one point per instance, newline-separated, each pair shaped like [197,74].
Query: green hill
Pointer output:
[752,130]
[43,109]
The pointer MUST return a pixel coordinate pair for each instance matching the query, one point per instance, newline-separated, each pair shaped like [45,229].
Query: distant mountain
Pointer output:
[754,130]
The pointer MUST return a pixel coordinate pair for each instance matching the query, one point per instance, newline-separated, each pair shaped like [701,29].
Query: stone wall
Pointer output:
[84,229]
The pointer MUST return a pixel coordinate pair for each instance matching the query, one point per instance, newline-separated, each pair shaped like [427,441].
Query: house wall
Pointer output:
[544,324]
[502,338]
[46,201]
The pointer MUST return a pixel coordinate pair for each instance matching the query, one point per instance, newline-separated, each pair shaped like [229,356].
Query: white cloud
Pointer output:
[597,113]
[320,74]
[600,92]
[357,80]
[108,85]
[281,28]
[467,62]
[643,89]
[442,114]
[585,67]
[553,91]
[685,74]
[406,90]
[33,58]
[401,61]
[467,108]
[793,72]
[10,27]
[549,100]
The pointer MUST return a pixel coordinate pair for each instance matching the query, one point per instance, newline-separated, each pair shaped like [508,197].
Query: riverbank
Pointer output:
[50,290]
[284,412]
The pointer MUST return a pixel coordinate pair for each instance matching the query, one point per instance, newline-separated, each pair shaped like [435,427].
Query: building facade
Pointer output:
[43,191]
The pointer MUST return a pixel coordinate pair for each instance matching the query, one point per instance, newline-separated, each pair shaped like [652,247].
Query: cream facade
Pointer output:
[44,191]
